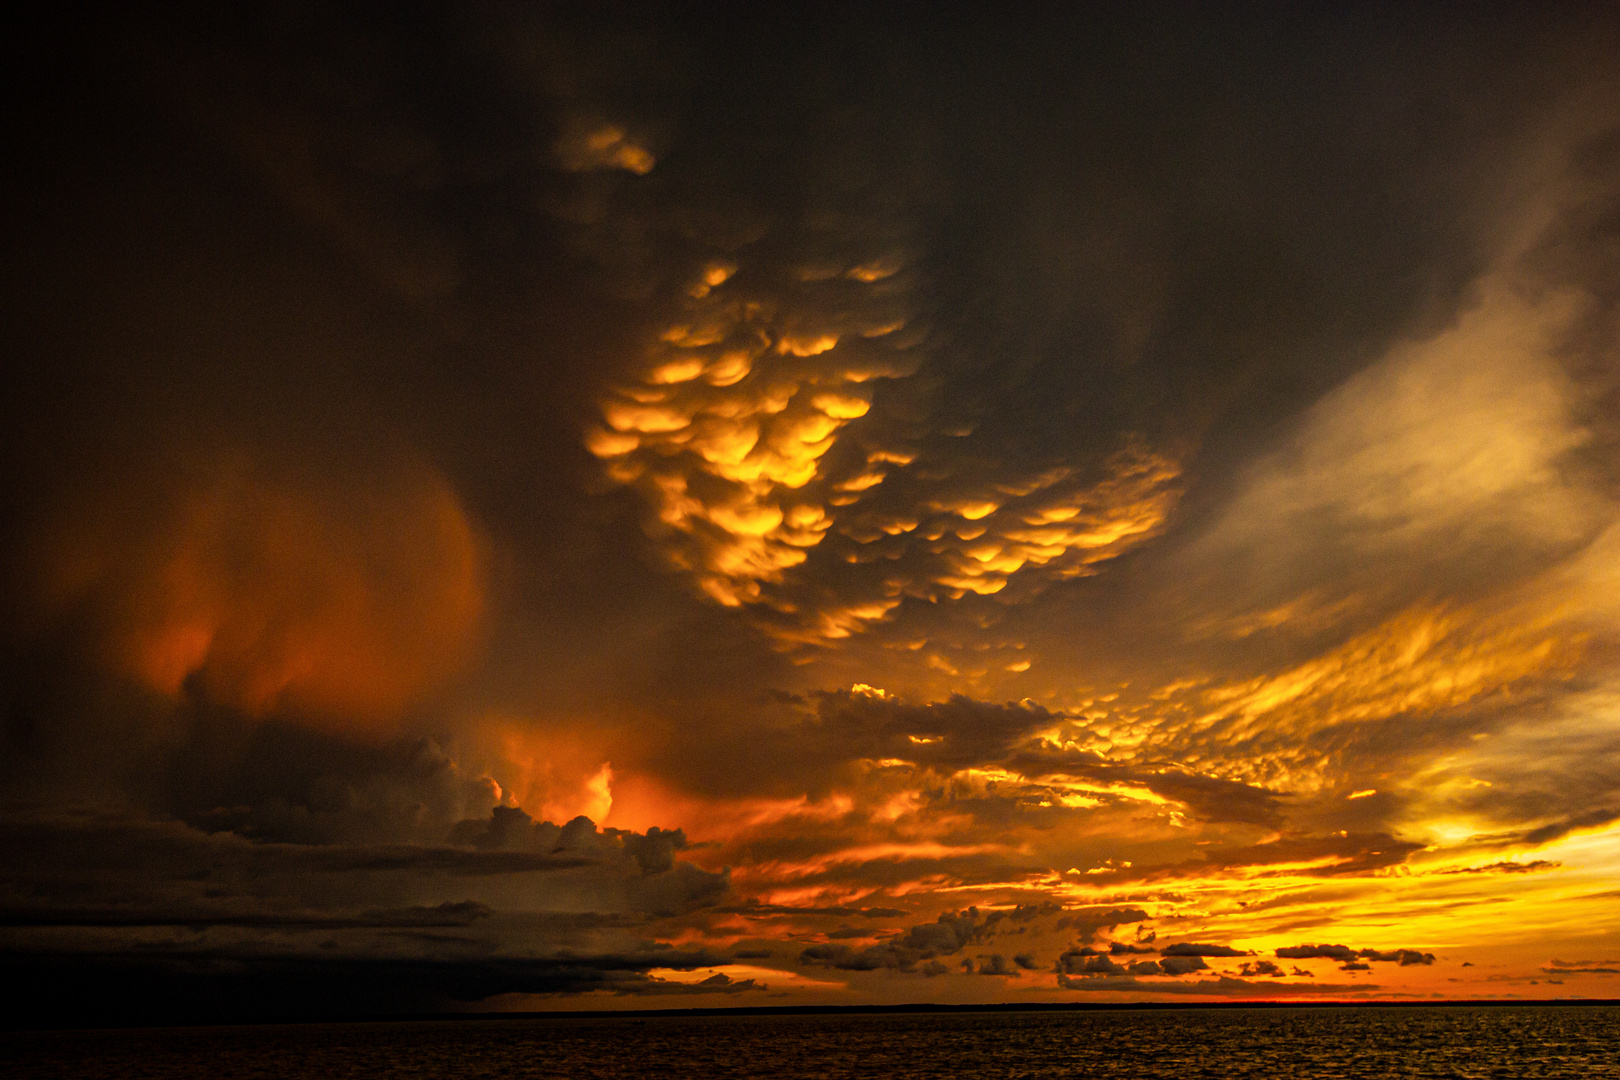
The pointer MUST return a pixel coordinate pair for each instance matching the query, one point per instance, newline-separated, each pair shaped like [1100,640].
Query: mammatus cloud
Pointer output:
[730,437]
[779,430]
[733,415]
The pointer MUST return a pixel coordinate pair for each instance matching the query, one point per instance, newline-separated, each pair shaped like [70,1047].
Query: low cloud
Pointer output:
[219,924]
[946,936]
[1582,967]
[1181,965]
[1403,957]
[1199,949]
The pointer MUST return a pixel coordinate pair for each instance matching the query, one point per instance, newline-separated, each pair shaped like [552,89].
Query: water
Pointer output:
[1337,1043]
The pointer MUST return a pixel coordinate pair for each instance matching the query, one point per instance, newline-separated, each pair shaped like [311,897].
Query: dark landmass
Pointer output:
[138,1018]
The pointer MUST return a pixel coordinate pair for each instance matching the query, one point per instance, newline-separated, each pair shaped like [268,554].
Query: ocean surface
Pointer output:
[1338,1043]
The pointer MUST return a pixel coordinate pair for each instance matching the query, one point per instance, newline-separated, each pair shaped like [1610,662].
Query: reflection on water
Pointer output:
[1338,1043]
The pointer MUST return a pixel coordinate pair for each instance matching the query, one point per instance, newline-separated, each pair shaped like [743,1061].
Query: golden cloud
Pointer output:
[729,435]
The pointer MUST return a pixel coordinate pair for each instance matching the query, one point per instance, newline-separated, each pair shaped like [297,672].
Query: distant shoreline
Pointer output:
[827,1010]
[1011,1006]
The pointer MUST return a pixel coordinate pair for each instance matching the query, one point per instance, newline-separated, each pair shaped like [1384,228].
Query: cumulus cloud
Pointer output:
[1076,962]
[510,828]
[996,964]
[1181,965]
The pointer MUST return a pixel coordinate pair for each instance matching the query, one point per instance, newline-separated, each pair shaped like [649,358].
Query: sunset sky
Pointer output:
[641,506]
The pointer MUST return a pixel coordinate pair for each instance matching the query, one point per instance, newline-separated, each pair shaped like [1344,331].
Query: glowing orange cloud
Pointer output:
[728,434]
[275,594]
[554,775]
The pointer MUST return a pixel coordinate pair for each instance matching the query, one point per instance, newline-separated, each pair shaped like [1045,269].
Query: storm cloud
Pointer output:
[526,506]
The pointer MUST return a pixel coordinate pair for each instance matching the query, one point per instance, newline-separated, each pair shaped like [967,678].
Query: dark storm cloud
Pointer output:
[306,261]
[126,852]
[448,914]
[1048,426]
[192,985]
[220,925]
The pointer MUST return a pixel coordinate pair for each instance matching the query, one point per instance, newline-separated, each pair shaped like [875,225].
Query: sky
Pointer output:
[639,506]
